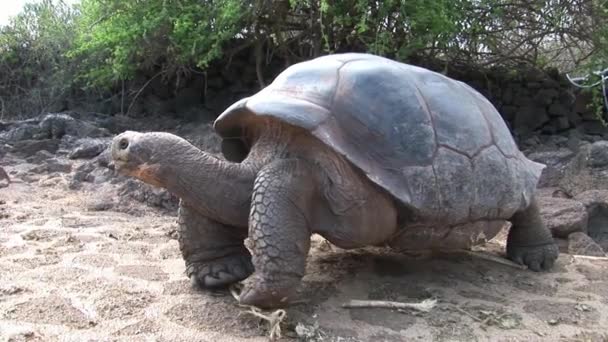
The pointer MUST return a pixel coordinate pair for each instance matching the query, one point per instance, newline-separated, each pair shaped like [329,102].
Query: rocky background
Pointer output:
[535,103]
[73,148]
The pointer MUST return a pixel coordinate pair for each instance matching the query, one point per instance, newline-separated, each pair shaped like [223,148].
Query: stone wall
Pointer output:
[532,102]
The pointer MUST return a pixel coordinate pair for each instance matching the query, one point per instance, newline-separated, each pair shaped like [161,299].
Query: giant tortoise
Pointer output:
[361,149]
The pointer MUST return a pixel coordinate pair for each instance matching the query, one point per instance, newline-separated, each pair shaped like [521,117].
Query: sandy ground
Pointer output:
[71,274]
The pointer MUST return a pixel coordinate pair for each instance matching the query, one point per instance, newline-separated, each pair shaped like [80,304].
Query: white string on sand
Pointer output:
[273,318]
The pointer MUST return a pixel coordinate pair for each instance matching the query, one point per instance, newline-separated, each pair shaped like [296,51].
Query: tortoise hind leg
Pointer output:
[530,242]
[214,253]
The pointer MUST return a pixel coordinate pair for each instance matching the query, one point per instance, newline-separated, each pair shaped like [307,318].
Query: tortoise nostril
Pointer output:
[123,144]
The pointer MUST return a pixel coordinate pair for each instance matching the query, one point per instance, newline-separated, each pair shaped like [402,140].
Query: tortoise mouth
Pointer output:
[123,166]
[145,172]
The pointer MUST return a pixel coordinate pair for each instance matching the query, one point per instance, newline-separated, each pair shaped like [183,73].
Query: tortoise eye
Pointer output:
[123,144]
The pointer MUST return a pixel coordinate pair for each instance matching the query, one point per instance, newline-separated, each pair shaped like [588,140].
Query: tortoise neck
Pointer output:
[216,188]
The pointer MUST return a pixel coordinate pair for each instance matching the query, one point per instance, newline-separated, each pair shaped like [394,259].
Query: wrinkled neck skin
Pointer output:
[216,188]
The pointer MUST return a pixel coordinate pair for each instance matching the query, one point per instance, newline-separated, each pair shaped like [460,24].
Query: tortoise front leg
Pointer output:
[279,232]
[214,253]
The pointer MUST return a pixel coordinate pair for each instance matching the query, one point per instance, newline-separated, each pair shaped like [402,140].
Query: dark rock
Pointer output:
[82,173]
[530,118]
[40,157]
[89,148]
[562,244]
[561,123]
[554,141]
[574,118]
[101,204]
[217,102]
[545,96]
[51,166]
[104,158]
[588,170]
[549,129]
[507,96]
[82,176]
[557,109]
[74,184]
[551,192]
[187,98]
[563,216]
[202,136]
[55,126]
[523,99]
[102,175]
[549,83]
[596,202]
[5,180]
[593,127]
[575,140]
[582,102]
[153,105]
[529,143]
[508,112]
[215,83]
[555,162]
[580,243]
[160,88]
[21,131]
[150,195]
[87,167]
[598,155]
[27,148]
[196,114]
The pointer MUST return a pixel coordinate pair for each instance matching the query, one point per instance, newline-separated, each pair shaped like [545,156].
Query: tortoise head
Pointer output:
[140,155]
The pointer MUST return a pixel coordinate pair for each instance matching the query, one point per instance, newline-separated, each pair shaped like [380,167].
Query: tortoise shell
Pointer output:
[434,143]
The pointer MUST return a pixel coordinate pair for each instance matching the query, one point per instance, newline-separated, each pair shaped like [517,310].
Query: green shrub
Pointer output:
[35,74]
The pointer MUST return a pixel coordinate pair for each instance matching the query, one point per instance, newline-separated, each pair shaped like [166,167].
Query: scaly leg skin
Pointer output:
[530,242]
[214,253]
[279,233]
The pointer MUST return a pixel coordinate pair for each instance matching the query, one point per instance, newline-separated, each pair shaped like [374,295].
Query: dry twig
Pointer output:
[493,258]
[424,306]
[588,257]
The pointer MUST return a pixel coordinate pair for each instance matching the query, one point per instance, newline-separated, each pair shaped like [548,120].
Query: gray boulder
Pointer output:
[580,243]
[152,196]
[55,126]
[596,203]
[87,148]
[563,216]
[555,161]
[588,170]
[29,147]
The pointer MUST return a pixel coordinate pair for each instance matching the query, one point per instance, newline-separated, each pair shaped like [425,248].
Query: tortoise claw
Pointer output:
[537,258]
[221,272]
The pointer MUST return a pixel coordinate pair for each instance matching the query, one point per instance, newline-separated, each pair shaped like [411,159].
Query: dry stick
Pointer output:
[496,259]
[589,257]
[424,306]
[459,309]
